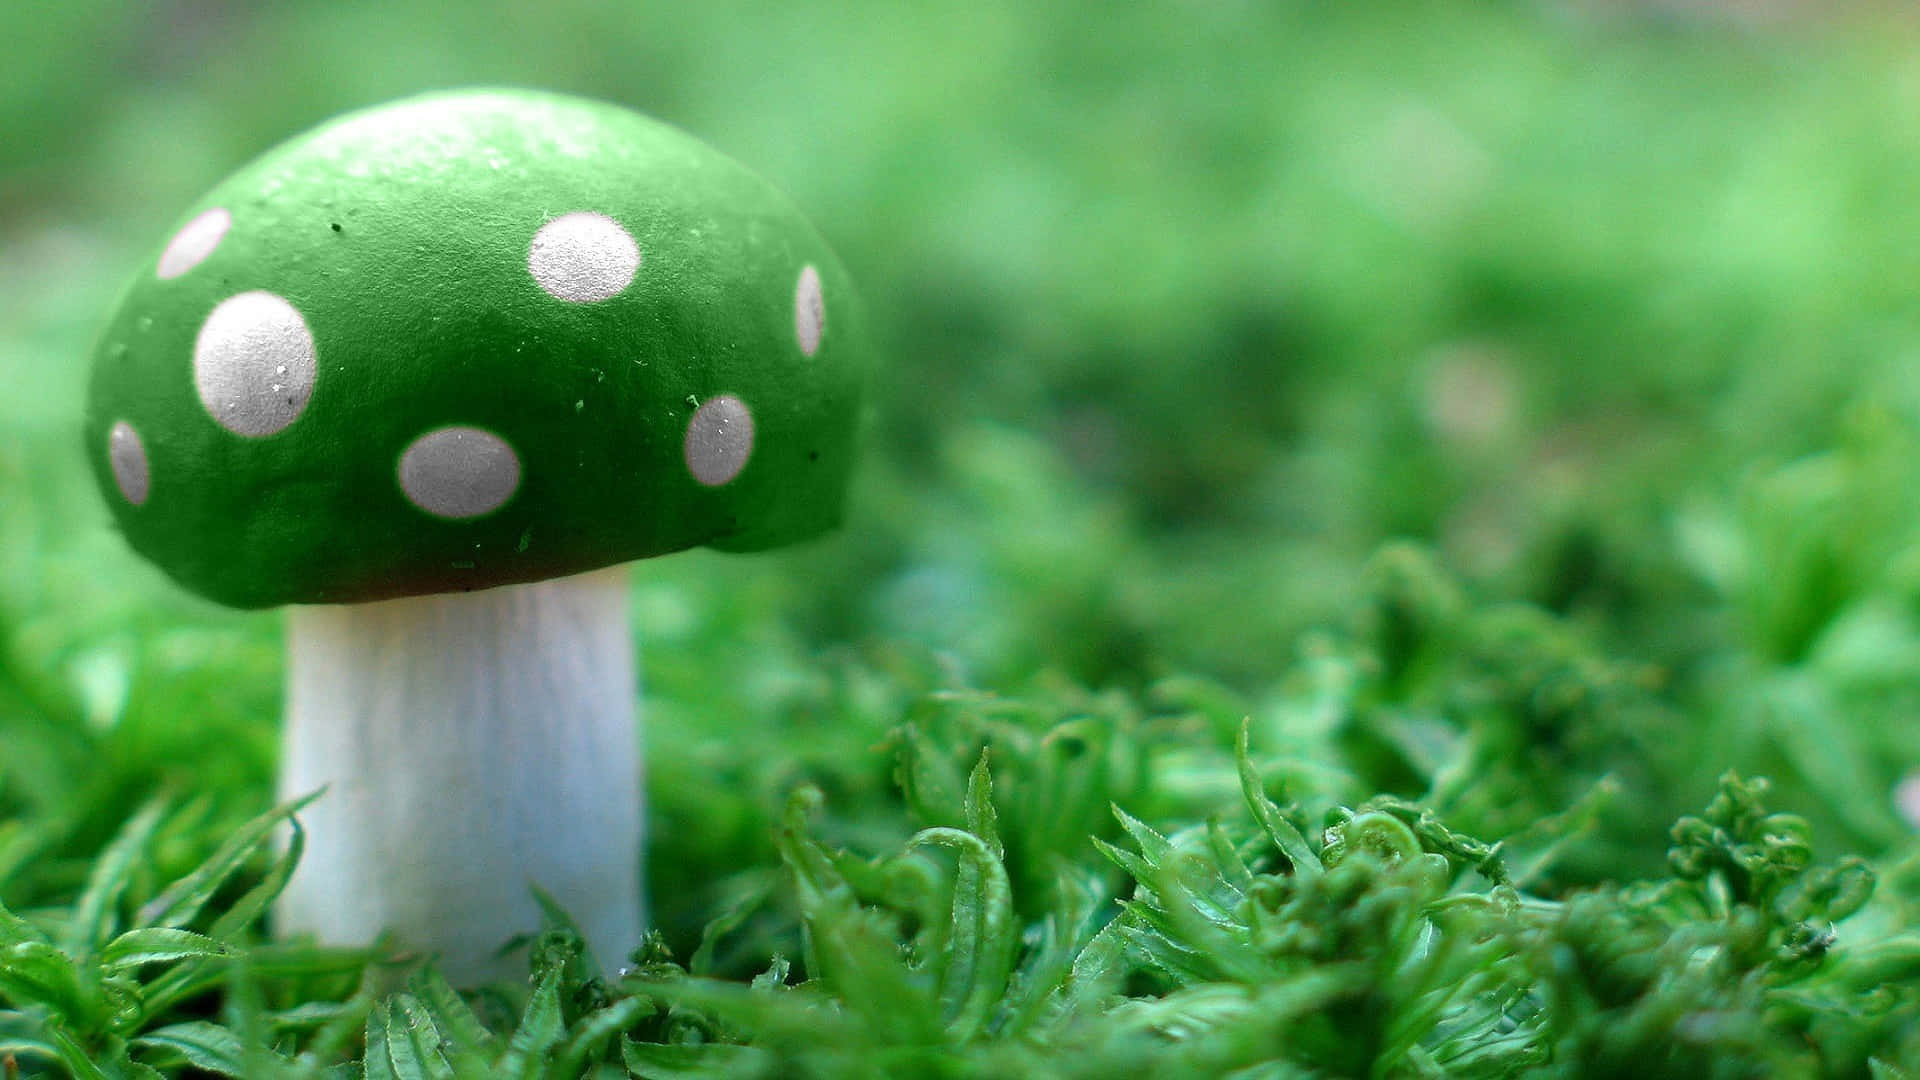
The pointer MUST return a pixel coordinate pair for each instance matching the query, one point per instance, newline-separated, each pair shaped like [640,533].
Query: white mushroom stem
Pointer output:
[470,744]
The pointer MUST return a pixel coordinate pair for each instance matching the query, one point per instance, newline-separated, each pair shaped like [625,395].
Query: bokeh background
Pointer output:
[1541,378]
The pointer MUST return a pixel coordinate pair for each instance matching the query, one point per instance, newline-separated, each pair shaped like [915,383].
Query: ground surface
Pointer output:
[1506,421]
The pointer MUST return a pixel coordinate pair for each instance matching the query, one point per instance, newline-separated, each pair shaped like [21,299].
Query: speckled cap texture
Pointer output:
[472,339]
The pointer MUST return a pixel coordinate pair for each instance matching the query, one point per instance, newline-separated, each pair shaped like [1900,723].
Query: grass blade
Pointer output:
[1265,811]
[378,1064]
[982,821]
[425,1047]
[158,944]
[591,1034]
[980,946]
[251,906]
[541,1029]
[205,1046]
[95,915]
[181,902]
[452,1015]
[653,1061]
[15,930]
[33,973]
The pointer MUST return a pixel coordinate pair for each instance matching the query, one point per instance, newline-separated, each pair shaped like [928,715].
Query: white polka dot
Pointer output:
[1906,799]
[194,242]
[583,257]
[253,364]
[809,310]
[459,472]
[719,439]
[128,457]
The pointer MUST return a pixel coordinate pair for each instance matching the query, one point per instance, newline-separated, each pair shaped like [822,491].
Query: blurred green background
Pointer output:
[1612,309]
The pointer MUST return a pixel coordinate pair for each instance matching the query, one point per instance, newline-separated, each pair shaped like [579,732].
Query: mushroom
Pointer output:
[430,373]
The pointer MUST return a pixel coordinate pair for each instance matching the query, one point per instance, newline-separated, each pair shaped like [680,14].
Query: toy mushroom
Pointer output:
[431,372]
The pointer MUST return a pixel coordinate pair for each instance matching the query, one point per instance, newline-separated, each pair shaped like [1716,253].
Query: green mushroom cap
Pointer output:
[473,339]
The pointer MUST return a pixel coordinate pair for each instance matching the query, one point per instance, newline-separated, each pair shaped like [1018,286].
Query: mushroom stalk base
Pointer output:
[471,744]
